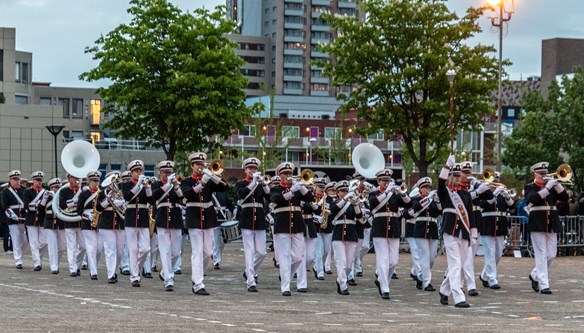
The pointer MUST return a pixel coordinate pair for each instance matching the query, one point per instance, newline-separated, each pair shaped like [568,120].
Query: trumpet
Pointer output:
[178,180]
[306,177]
[148,180]
[267,179]
[401,189]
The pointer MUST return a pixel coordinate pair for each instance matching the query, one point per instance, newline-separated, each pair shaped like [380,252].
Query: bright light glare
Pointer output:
[494,3]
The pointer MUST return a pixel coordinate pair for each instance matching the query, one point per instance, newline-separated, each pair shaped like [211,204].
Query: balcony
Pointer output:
[294,1]
[293,12]
[320,40]
[347,4]
[322,79]
[296,78]
[293,65]
[317,54]
[290,91]
[292,25]
[118,144]
[294,52]
[319,92]
[320,27]
[293,39]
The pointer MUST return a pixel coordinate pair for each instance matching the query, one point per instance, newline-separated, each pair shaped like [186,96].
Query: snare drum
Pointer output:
[230,230]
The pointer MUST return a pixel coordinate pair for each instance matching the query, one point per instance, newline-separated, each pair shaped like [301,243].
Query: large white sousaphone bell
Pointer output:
[367,160]
[78,158]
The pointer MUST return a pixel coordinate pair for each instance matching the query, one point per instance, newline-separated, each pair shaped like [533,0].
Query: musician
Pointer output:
[35,219]
[425,210]
[363,228]
[319,216]
[111,226]
[308,211]
[125,261]
[324,267]
[252,194]
[53,227]
[68,199]
[386,230]
[14,210]
[493,229]
[169,223]
[458,229]
[201,217]
[4,231]
[543,223]
[344,214]
[85,208]
[223,208]
[269,208]
[410,225]
[288,223]
[137,194]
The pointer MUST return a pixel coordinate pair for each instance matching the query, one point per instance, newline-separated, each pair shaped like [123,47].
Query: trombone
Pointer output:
[216,167]
[563,173]
[306,177]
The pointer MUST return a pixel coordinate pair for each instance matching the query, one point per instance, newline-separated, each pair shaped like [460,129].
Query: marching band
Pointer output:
[312,222]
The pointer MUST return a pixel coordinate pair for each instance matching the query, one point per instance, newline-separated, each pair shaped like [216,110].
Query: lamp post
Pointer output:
[55,130]
[451,73]
[497,21]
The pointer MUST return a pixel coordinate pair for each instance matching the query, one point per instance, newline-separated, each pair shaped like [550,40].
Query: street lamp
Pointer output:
[451,73]
[503,16]
[55,130]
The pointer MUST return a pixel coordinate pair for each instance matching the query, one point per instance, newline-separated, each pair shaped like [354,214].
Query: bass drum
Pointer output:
[230,230]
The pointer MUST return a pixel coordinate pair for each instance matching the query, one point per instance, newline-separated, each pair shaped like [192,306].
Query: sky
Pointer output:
[57,31]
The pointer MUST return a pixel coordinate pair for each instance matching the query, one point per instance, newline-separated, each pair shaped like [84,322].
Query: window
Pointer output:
[24,72]
[292,85]
[266,23]
[149,170]
[77,111]
[21,100]
[333,132]
[95,111]
[45,101]
[291,132]
[293,71]
[376,136]
[247,130]
[17,72]
[1,65]
[77,134]
[267,10]
[294,59]
[64,102]
[319,87]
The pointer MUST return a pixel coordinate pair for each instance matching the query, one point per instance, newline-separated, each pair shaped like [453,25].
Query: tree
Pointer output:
[551,129]
[397,61]
[175,77]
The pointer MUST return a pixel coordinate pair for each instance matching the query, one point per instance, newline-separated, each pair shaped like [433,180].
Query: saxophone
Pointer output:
[151,222]
[325,213]
[95,213]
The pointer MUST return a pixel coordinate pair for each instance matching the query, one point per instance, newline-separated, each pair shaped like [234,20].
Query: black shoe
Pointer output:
[394,277]
[147,275]
[315,273]
[473,292]
[339,288]
[279,278]
[485,283]
[83,267]
[94,277]
[160,277]
[275,263]
[419,284]
[216,266]
[345,292]
[443,299]
[302,290]
[352,282]
[154,269]
[170,287]
[385,295]
[124,272]
[429,287]
[111,280]
[534,284]
[415,278]
[359,274]
[462,305]
[328,272]
[546,291]
[495,286]
[74,274]
[78,273]
[378,287]
[287,293]
[116,277]
[19,266]
[201,292]
[295,276]
[178,272]
[37,268]
[252,289]
[135,283]
[56,272]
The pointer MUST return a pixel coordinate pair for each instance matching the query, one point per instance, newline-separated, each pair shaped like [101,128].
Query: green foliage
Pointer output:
[398,59]
[175,77]
[551,129]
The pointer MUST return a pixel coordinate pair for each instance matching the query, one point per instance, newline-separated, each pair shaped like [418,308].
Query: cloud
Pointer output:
[32,3]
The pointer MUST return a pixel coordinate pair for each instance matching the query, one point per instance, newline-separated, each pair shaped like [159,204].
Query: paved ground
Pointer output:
[41,302]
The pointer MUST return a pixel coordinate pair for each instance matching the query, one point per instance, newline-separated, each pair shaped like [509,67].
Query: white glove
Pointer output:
[270,219]
[11,215]
[551,183]
[296,187]
[85,188]
[350,196]
[506,195]
[450,161]
[473,241]
[317,219]
[257,176]
[88,216]
[171,178]
[71,203]
[205,179]
[118,202]
[47,194]
[497,191]
[483,188]
[208,172]
[32,206]
[559,187]
[141,178]
[389,188]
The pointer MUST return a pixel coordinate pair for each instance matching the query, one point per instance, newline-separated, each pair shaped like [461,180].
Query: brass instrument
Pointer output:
[307,176]
[367,160]
[512,193]
[216,167]
[178,180]
[95,213]
[149,180]
[325,213]
[402,189]
[151,222]
[563,173]
[113,192]
[267,179]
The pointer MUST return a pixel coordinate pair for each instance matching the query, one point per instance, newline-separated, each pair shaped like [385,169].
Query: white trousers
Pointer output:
[169,246]
[344,256]
[545,248]
[19,241]
[75,248]
[56,246]
[415,255]
[493,251]
[218,245]
[125,262]
[386,259]
[323,248]
[456,252]
[254,250]
[113,248]
[138,240]
[38,243]
[307,262]
[428,250]
[201,251]
[289,253]
[152,257]
[178,264]
[93,249]
[468,267]
[362,250]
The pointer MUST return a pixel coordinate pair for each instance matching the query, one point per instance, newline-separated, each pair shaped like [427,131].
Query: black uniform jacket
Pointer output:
[200,211]
[64,195]
[425,225]
[494,217]
[136,215]
[543,214]
[168,211]
[34,216]
[386,224]
[308,216]
[343,229]
[451,223]
[287,213]
[10,201]
[51,221]
[108,219]
[84,205]
[252,214]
